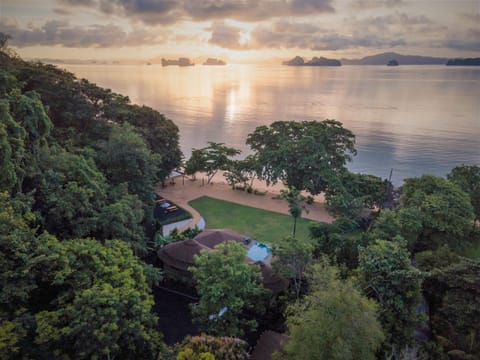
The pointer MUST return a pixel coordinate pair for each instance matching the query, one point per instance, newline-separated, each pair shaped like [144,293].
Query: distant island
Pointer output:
[384,58]
[464,62]
[392,63]
[212,61]
[321,61]
[180,62]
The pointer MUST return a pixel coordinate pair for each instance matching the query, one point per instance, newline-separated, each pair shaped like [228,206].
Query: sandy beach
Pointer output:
[185,189]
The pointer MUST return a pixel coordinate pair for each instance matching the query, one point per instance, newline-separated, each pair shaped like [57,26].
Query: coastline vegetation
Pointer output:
[78,166]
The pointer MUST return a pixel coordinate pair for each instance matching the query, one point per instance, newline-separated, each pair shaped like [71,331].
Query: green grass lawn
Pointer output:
[261,225]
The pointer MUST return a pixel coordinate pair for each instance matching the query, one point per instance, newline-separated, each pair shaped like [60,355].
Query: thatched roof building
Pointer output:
[177,257]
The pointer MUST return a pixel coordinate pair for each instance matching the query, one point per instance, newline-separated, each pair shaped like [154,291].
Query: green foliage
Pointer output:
[206,347]
[339,245]
[452,293]
[17,245]
[306,155]
[28,110]
[292,256]
[293,197]
[223,302]
[405,222]
[242,171]
[102,302]
[350,194]
[127,159]
[436,259]
[333,321]
[443,208]
[123,220]
[69,192]
[468,178]
[396,285]
[12,148]
[214,157]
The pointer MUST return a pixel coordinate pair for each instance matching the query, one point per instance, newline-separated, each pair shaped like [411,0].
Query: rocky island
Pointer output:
[180,62]
[315,61]
[464,62]
[212,61]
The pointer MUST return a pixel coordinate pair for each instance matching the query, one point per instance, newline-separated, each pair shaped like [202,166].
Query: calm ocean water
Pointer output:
[414,119]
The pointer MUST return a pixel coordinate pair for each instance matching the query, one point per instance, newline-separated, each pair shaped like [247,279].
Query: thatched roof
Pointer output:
[212,238]
[268,343]
[180,254]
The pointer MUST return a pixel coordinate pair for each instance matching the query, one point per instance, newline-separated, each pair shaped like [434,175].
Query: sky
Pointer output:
[239,31]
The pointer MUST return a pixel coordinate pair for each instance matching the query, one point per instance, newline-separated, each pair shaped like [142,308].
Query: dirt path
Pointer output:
[186,190]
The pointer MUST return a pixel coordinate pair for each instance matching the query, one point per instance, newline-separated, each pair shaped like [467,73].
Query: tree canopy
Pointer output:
[333,321]
[390,278]
[211,159]
[468,178]
[307,155]
[223,303]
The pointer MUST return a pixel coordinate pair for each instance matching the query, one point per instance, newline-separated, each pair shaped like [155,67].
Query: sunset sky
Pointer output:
[239,30]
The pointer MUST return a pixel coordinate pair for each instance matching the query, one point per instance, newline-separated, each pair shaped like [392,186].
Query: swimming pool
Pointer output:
[259,251]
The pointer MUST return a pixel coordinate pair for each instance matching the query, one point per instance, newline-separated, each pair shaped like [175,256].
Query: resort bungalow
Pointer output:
[179,256]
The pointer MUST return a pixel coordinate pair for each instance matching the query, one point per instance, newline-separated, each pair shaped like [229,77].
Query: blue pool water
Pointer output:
[259,251]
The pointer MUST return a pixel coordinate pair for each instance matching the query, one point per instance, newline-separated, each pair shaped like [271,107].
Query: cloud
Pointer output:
[62,11]
[286,34]
[225,36]
[61,33]
[372,4]
[474,18]
[170,11]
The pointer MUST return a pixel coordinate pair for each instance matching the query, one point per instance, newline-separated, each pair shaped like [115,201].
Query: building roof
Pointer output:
[212,238]
[180,255]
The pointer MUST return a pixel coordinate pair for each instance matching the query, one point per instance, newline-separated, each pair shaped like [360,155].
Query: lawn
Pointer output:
[262,225]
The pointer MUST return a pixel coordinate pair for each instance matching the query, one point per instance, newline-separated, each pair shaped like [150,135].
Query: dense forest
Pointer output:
[396,275]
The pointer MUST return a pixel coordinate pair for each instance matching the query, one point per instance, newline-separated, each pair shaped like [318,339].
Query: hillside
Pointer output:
[384,58]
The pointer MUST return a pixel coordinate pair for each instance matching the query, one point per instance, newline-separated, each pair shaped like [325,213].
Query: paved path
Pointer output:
[186,190]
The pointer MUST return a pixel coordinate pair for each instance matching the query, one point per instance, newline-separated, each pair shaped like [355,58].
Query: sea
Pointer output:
[408,120]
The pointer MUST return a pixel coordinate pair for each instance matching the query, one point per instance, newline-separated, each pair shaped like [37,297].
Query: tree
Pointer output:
[69,192]
[195,163]
[214,157]
[242,171]
[452,293]
[390,278]
[333,321]
[160,133]
[206,347]
[292,257]
[102,302]
[228,288]
[305,155]
[127,159]
[468,178]
[352,193]
[293,197]
[406,222]
[339,245]
[443,208]
[122,220]
[12,148]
